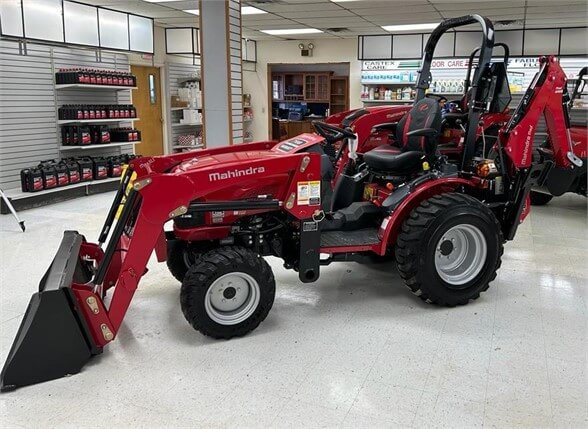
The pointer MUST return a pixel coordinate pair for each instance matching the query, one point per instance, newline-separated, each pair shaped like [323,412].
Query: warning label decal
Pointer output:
[309,193]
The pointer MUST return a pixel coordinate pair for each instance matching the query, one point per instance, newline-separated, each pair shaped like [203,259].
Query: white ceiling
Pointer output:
[365,16]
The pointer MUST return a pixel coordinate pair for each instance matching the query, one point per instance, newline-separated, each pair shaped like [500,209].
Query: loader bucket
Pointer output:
[53,339]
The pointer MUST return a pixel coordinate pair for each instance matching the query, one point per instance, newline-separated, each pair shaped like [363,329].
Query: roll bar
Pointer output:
[467,82]
[424,76]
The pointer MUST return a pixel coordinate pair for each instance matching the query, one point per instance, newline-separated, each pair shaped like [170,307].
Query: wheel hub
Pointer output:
[232,298]
[460,255]
[446,248]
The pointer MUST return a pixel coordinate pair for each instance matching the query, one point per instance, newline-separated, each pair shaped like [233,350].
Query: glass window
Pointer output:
[152,91]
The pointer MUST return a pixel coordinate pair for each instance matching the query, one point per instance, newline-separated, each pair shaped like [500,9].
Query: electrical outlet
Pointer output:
[263,110]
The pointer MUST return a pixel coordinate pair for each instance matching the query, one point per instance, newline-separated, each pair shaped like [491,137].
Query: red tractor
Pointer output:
[563,179]
[445,224]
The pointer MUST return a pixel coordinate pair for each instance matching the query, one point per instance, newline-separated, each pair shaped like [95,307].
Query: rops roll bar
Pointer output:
[424,76]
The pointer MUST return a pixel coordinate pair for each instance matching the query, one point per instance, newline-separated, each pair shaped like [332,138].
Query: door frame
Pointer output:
[163,90]
[310,65]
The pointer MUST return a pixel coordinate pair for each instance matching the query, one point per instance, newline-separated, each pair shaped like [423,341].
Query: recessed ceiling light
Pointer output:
[284,32]
[250,10]
[410,27]
[193,11]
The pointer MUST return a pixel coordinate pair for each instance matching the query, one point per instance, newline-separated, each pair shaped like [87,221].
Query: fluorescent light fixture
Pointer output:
[410,27]
[284,32]
[158,1]
[245,10]
[250,10]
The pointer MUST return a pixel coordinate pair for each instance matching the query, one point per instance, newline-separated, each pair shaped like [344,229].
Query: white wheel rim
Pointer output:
[460,254]
[232,298]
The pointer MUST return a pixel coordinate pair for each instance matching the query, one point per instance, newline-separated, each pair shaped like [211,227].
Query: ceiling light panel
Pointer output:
[291,31]
[410,27]
[250,10]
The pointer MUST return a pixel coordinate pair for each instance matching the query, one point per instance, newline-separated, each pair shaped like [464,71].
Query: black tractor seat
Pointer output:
[388,158]
[416,141]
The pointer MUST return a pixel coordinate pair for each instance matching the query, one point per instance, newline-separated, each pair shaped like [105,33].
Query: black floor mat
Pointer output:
[349,238]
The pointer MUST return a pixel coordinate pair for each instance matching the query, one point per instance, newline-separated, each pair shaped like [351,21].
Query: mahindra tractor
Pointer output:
[444,223]
[376,126]
[562,179]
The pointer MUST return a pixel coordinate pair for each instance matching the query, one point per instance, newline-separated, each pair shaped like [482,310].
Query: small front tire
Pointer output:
[449,249]
[228,292]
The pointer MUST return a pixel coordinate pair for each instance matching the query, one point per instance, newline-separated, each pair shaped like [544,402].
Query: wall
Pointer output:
[287,52]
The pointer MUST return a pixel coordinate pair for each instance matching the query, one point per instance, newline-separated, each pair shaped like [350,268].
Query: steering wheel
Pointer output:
[331,133]
[436,96]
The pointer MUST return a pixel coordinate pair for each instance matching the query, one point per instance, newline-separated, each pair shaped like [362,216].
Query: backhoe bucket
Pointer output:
[53,339]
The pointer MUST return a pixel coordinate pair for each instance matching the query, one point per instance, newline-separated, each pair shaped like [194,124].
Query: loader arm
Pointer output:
[70,291]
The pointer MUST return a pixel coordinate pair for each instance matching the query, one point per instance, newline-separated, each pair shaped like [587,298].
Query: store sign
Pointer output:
[447,64]
[524,63]
[458,63]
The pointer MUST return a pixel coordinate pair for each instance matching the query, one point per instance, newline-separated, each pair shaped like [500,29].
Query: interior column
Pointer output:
[221,72]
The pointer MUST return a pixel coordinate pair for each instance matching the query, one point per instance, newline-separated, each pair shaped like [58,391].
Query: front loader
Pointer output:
[444,223]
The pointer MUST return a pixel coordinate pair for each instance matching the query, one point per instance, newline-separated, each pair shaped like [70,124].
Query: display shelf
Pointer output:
[184,108]
[90,86]
[189,124]
[98,146]
[95,121]
[196,146]
[191,79]
[16,194]
[387,101]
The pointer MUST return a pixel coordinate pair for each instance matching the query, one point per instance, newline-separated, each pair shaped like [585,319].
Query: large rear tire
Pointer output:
[449,249]
[540,198]
[228,292]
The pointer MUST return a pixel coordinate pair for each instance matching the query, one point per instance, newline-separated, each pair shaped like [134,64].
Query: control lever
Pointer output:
[481,123]
[571,155]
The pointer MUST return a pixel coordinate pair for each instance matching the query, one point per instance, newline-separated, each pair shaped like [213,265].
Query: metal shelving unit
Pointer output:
[17,194]
[192,147]
[192,124]
[98,146]
[94,121]
[96,87]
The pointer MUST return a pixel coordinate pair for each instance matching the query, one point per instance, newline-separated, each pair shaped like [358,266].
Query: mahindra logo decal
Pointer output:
[528,145]
[231,174]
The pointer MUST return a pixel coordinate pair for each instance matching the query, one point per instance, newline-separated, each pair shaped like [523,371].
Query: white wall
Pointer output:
[287,52]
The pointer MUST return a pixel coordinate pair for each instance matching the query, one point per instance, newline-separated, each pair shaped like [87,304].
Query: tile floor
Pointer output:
[353,350]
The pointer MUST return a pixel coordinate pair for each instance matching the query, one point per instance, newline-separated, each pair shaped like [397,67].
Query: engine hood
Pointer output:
[241,159]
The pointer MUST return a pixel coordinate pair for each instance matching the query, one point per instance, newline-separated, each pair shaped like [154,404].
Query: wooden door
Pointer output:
[147,100]
[309,87]
[322,87]
[339,94]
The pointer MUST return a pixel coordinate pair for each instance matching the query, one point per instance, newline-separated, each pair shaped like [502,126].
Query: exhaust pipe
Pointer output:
[53,339]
